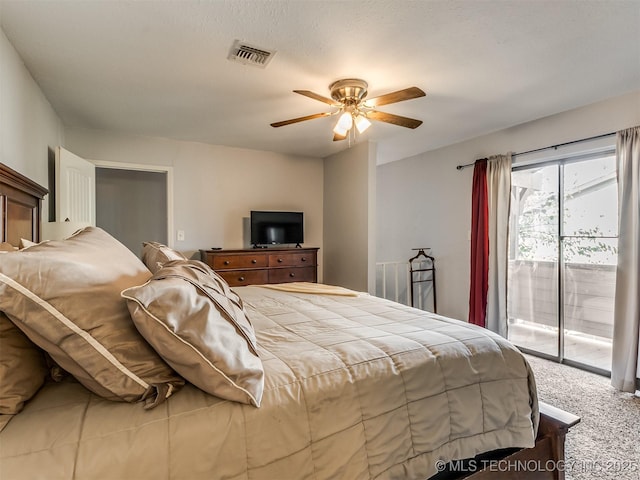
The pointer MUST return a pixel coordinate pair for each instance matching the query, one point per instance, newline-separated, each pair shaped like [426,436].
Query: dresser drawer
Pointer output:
[258,267]
[230,262]
[238,278]
[292,259]
[294,274]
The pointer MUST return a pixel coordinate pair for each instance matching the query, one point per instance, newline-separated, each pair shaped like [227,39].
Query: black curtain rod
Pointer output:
[604,135]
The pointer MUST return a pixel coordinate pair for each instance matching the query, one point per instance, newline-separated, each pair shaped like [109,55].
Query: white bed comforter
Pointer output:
[355,388]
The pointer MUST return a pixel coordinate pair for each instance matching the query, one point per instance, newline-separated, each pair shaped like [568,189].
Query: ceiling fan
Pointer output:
[348,96]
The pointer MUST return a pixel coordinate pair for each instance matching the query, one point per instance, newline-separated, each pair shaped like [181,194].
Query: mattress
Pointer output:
[356,387]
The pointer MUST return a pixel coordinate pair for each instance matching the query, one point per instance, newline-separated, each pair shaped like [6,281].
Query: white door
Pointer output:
[75,188]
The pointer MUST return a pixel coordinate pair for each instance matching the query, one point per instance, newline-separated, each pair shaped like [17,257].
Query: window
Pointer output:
[562,258]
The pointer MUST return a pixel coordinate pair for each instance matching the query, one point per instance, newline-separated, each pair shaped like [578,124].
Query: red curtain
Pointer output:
[479,245]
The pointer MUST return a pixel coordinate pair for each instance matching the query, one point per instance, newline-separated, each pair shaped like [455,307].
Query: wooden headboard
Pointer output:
[20,206]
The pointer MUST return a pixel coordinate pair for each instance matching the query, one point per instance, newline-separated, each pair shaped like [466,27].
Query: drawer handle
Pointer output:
[303,259]
[227,262]
[241,279]
[254,261]
[292,274]
[279,260]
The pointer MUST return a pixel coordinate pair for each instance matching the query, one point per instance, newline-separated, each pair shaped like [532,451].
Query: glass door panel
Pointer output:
[590,197]
[589,250]
[533,260]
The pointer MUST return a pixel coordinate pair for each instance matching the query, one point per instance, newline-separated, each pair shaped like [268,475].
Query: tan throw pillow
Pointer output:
[201,332]
[23,367]
[65,296]
[7,247]
[155,255]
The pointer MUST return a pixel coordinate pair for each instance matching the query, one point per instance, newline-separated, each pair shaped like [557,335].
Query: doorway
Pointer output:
[133,203]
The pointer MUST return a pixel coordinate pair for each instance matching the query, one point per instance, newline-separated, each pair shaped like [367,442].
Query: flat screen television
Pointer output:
[276,228]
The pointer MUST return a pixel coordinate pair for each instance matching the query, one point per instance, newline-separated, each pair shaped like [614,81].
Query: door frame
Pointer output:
[148,168]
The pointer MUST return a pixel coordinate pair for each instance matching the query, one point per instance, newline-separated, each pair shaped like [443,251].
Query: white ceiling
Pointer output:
[160,68]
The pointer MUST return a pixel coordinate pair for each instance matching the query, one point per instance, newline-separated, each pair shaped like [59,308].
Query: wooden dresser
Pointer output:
[259,266]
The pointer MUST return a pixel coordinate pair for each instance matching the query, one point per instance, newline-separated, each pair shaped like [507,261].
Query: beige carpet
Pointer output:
[606,443]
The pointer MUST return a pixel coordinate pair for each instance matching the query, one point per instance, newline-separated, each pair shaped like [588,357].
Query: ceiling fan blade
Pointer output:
[394,97]
[395,119]
[300,119]
[320,98]
[337,138]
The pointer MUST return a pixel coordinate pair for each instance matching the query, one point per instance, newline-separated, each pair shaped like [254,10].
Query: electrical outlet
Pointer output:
[180,236]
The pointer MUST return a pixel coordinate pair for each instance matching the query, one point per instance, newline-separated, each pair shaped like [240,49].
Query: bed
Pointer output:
[352,386]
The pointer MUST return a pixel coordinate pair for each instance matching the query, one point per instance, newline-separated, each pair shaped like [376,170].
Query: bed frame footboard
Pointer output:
[544,461]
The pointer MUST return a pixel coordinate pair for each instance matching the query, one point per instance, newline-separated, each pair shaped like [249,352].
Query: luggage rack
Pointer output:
[422,272]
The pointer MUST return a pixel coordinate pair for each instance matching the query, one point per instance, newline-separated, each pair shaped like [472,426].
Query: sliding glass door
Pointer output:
[533,259]
[563,252]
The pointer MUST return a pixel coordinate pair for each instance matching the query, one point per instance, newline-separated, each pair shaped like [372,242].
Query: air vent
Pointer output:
[250,55]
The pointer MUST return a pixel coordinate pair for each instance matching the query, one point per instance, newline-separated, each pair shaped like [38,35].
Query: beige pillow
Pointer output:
[23,367]
[65,296]
[155,255]
[7,247]
[201,332]
[25,243]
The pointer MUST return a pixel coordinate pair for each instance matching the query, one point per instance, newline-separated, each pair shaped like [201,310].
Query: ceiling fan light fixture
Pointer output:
[338,130]
[345,122]
[362,123]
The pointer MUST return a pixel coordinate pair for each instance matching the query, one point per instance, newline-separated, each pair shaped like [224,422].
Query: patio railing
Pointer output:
[589,292]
